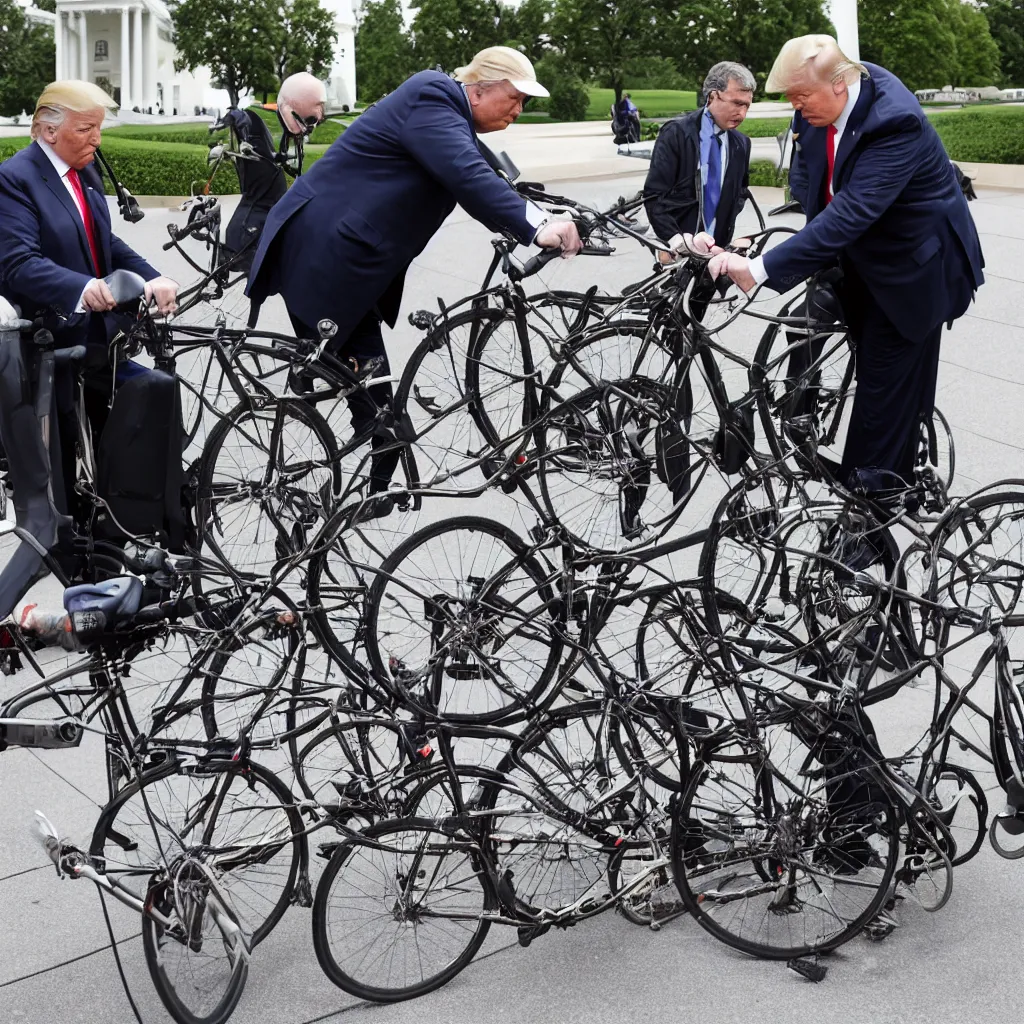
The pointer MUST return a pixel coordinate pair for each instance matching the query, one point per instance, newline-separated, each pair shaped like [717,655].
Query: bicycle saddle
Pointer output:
[95,606]
[125,286]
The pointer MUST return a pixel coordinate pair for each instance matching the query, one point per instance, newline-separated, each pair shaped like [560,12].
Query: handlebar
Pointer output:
[546,256]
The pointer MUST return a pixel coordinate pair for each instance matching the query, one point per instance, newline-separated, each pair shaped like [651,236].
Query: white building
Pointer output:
[128,49]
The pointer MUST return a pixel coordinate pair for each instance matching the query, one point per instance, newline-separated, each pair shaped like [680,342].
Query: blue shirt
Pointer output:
[707,131]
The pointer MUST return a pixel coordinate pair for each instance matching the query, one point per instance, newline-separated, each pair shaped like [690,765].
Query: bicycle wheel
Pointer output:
[199,963]
[766,863]
[598,464]
[565,767]
[336,592]
[977,557]
[400,911]
[240,817]
[463,606]
[242,669]
[267,476]
[439,398]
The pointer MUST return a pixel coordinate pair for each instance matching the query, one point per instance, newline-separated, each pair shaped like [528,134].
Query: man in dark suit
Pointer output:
[56,245]
[697,182]
[882,199]
[338,246]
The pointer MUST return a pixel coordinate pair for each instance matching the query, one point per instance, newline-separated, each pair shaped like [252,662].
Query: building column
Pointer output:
[137,56]
[149,59]
[60,46]
[84,66]
[71,46]
[843,14]
[126,62]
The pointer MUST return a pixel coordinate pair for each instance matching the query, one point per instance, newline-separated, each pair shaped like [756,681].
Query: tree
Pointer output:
[914,39]
[304,40]
[703,32]
[601,37]
[977,53]
[529,27]
[569,97]
[1006,24]
[449,32]
[384,52]
[27,60]
[233,38]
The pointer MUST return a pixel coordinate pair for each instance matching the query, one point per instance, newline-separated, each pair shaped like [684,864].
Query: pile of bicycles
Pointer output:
[641,682]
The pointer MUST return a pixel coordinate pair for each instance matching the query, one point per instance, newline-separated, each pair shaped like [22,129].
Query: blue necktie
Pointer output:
[713,185]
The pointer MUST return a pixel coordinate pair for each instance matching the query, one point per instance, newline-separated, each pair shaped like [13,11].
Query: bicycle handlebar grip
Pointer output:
[535,263]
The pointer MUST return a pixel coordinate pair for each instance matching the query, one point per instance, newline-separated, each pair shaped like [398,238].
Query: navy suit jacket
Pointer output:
[673,187]
[897,217]
[339,243]
[44,253]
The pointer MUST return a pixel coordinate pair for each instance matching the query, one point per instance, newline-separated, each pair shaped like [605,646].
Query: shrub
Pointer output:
[183,134]
[765,127]
[569,96]
[764,172]
[158,169]
[993,135]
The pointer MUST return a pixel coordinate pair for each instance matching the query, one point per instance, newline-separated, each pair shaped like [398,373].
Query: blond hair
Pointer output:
[59,97]
[818,57]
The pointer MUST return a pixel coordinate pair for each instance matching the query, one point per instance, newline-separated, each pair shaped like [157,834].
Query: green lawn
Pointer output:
[652,102]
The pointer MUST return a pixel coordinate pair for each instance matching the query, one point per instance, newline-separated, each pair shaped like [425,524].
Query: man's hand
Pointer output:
[560,234]
[701,243]
[164,292]
[735,266]
[97,298]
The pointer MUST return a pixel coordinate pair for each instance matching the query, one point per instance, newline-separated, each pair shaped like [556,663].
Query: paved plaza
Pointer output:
[960,964]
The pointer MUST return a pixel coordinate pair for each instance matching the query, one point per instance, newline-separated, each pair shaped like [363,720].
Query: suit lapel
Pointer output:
[812,152]
[54,183]
[97,201]
[852,132]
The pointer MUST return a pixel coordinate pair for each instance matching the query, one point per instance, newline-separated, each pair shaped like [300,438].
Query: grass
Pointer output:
[652,102]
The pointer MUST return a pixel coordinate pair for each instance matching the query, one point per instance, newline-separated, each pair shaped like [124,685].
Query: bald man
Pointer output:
[882,202]
[300,108]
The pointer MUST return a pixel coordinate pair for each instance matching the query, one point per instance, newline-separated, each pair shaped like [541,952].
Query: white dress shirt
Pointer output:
[61,166]
[760,275]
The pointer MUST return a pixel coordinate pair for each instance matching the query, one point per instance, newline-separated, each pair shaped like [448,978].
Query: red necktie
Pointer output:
[830,149]
[90,227]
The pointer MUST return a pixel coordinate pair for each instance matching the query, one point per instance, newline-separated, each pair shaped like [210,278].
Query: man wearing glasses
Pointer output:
[262,182]
[698,179]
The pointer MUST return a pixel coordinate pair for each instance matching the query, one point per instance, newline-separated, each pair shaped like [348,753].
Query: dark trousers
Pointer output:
[896,380]
[364,343]
[895,383]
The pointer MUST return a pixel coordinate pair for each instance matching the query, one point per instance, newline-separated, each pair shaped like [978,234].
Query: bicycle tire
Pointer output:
[701,846]
[289,508]
[157,955]
[365,856]
[124,836]
[399,643]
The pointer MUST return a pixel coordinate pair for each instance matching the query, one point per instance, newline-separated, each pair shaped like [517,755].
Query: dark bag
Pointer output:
[138,463]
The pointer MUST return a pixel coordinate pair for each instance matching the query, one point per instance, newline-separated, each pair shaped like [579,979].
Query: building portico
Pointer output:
[128,50]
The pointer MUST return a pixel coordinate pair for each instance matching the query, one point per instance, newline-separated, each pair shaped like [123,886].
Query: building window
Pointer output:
[101,50]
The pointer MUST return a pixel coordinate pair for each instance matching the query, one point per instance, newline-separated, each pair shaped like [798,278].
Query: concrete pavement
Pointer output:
[962,963]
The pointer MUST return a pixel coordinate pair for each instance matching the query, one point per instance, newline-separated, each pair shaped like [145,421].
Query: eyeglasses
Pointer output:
[308,123]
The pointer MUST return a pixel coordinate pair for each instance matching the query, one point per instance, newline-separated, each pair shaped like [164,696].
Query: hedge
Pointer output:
[199,134]
[160,169]
[992,134]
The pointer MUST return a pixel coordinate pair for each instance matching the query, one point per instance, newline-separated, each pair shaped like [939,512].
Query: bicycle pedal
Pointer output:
[808,967]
